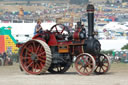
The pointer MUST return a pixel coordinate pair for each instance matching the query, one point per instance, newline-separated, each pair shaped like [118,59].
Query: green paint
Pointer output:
[7,31]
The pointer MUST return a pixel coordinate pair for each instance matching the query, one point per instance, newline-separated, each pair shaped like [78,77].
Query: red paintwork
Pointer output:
[38,36]
[65,42]
[35,36]
[52,41]
[76,34]
[2,44]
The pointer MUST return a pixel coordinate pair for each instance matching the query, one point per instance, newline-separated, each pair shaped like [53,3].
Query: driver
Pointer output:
[38,27]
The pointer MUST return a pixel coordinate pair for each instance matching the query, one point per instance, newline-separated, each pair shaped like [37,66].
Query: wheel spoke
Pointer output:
[43,61]
[24,58]
[86,70]
[36,67]
[31,47]
[60,68]
[37,49]
[32,68]
[56,29]
[28,54]
[29,61]
[42,57]
[96,68]
[90,66]
[80,68]
[40,54]
[63,29]
[100,69]
[103,69]
[40,50]
[57,68]
[29,65]
[41,65]
[27,49]
[34,47]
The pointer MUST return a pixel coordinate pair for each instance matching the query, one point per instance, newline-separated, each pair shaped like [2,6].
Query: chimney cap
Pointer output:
[90,7]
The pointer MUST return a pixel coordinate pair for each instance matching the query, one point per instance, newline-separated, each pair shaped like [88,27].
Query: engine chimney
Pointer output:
[90,10]
[91,45]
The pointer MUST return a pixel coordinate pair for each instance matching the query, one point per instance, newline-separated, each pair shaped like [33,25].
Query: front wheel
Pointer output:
[85,64]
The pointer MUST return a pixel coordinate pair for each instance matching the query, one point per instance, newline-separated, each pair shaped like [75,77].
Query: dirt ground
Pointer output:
[11,75]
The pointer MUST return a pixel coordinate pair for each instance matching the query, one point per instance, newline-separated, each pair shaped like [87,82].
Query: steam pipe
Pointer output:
[90,10]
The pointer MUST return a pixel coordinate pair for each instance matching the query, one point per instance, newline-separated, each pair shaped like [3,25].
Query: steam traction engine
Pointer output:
[54,50]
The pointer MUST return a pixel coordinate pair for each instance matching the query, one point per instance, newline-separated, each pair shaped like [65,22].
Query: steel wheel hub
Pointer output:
[34,56]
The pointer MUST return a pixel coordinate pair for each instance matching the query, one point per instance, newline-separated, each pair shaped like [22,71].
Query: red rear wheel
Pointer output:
[85,64]
[35,57]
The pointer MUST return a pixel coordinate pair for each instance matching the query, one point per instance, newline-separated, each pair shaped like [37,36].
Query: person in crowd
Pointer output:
[4,57]
[0,55]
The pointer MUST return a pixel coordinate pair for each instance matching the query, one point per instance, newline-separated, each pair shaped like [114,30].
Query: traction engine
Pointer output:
[54,50]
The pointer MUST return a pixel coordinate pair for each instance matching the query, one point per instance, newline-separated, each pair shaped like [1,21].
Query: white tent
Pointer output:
[116,26]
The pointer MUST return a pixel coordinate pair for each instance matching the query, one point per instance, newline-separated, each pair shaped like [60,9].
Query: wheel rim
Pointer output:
[103,64]
[85,64]
[35,57]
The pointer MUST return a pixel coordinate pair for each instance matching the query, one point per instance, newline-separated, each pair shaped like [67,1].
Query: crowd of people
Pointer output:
[5,59]
[51,11]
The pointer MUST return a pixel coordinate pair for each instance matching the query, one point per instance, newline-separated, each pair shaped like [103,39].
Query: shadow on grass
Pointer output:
[66,73]
[108,73]
[75,73]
